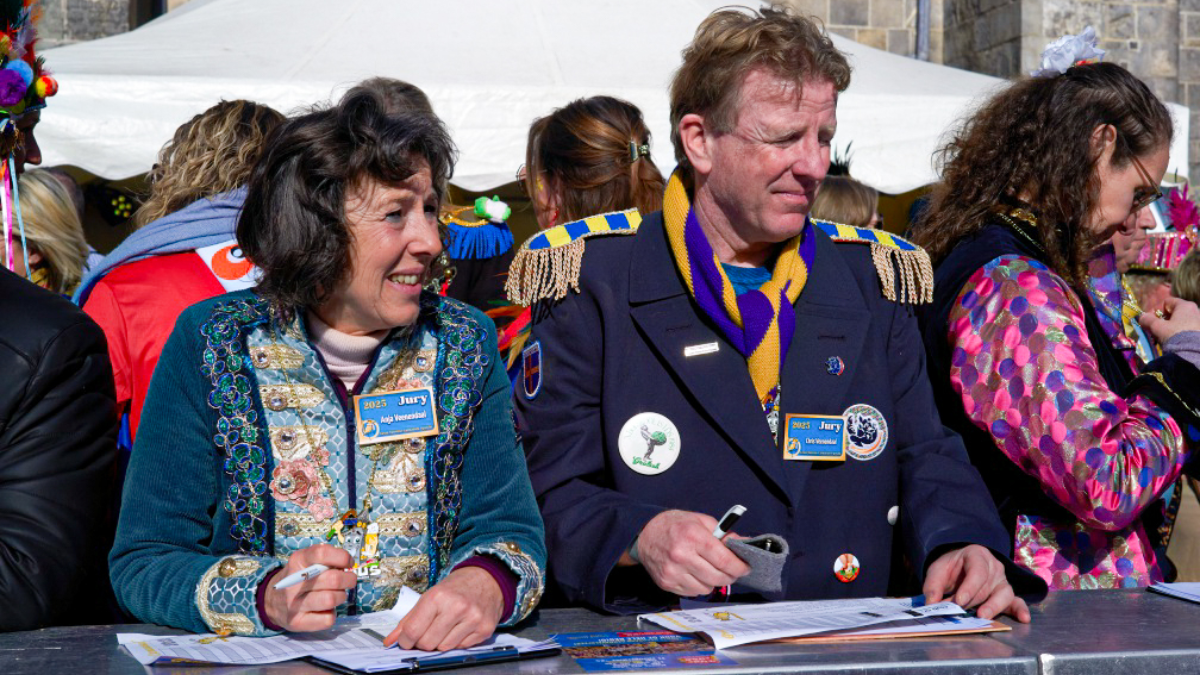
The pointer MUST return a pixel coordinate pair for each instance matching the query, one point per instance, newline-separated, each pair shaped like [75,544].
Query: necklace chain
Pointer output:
[387,381]
[1024,216]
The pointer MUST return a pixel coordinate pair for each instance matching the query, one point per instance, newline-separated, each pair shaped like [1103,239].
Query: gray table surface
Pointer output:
[1093,632]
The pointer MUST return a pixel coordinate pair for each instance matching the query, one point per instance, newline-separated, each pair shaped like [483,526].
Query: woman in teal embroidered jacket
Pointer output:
[254,451]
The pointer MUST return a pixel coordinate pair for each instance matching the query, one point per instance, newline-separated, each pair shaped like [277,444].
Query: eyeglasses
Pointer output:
[1144,195]
[523,181]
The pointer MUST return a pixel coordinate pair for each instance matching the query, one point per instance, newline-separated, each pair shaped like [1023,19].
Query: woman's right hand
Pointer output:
[310,605]
[1177,316]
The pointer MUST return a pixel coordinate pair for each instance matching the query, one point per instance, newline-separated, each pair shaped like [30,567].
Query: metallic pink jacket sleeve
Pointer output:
[1028,375]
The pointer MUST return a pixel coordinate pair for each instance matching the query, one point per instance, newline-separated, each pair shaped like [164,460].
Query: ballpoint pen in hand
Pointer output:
[301,576]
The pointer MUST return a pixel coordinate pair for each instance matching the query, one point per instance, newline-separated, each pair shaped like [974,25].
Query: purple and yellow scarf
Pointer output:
[759,324]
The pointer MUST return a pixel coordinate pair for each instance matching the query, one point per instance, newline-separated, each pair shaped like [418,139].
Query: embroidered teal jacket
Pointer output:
[246,454]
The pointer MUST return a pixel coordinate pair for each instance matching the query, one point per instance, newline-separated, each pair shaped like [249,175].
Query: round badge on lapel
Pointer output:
[834,365]
[866,432]
[648,443]
[845,568]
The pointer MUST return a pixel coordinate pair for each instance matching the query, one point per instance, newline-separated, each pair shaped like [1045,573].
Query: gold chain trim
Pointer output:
[403,524]
[282,396]
[1163,381]
[227,568]
[290,442]
[409,570]
[390,525]
[275,356]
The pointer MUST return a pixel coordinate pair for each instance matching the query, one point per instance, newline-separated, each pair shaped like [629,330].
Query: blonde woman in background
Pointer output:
[56,249]
[1185,281]
[184,249]
[845,201]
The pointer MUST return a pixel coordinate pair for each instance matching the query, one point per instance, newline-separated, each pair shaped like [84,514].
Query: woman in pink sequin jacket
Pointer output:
[1075,436]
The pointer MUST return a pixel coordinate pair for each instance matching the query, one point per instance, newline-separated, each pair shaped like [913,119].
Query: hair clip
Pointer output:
[1067,51]
[636,151]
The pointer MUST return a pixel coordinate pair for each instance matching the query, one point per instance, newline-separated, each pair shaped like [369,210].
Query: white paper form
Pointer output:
[375,660]
[1186,590]
[932,624]
[733,625]
[350,633]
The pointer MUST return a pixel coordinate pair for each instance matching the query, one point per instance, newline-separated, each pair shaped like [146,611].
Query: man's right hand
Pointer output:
[683,557]
[310,605]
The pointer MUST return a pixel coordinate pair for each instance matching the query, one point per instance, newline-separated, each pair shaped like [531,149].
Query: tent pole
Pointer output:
[923,29]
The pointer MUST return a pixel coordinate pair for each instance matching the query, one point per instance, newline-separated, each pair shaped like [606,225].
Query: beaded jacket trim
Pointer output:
[239,433]
[461,364]
[239,429]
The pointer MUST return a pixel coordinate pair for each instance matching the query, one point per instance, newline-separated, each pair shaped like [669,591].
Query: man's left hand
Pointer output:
[972,577]
[459,612]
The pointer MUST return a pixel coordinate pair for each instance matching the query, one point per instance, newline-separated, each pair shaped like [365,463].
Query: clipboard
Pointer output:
[428,664]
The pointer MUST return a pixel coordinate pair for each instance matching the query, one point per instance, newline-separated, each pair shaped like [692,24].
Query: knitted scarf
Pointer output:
[759,324]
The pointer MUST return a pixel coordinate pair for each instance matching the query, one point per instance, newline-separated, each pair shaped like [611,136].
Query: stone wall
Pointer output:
[983,35]
[67,21]
[1157,40]
[889,25]
[1189,76]
[1142,36]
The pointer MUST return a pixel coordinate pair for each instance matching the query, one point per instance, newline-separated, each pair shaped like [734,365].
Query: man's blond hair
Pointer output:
[731,43]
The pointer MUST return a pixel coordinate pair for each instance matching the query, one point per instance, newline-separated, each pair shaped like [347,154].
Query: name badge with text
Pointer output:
[395,416]
[815,438]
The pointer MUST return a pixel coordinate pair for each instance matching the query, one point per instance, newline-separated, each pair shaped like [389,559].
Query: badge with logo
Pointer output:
[866,431]
[846,567]
[531,369]
[648,443]
[231,268]
[395,416]
[814,438]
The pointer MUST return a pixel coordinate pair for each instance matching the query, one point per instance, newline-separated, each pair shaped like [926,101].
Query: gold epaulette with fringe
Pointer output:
[549,263]
[900,263]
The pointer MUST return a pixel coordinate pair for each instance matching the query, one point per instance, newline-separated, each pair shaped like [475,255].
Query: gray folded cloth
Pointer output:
[765,554]
[1186,344]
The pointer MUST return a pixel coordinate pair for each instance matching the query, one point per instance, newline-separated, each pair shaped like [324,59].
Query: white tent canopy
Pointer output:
[489,66]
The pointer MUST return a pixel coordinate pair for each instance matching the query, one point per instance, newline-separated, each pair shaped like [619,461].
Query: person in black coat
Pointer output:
[58,431]
[651,400]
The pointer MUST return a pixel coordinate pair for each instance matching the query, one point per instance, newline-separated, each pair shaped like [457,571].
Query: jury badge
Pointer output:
[395,416]
[866,432]
[649,443]
[531,369]
[814,438]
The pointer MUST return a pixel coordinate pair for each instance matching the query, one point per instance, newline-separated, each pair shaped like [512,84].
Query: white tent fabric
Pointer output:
[489,66]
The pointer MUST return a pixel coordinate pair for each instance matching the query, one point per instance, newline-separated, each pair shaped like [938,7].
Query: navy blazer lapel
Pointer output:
[717,382]
[832,320]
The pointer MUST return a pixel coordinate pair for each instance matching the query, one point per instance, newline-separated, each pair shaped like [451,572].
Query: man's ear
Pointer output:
[696,137]
[1103,141]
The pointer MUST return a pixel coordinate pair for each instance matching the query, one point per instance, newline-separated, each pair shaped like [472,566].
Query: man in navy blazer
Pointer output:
[641,420]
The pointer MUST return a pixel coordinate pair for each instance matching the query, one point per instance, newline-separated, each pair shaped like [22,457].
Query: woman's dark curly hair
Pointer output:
[1035,139]
[293,225]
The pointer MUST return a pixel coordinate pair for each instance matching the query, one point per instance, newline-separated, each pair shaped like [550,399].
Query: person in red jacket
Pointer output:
[184,250]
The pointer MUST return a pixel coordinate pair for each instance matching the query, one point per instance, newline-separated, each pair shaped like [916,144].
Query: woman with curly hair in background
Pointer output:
[1075,437]
[184,249]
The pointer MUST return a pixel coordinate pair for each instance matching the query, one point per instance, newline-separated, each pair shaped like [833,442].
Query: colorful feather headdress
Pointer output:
[25,84]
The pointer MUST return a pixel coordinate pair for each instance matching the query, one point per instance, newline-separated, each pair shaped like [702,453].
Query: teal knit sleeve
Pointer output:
[171,563]
[500,516]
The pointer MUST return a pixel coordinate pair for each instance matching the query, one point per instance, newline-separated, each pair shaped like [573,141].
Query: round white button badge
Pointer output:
[846,567]
[648,443]
[893,515]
